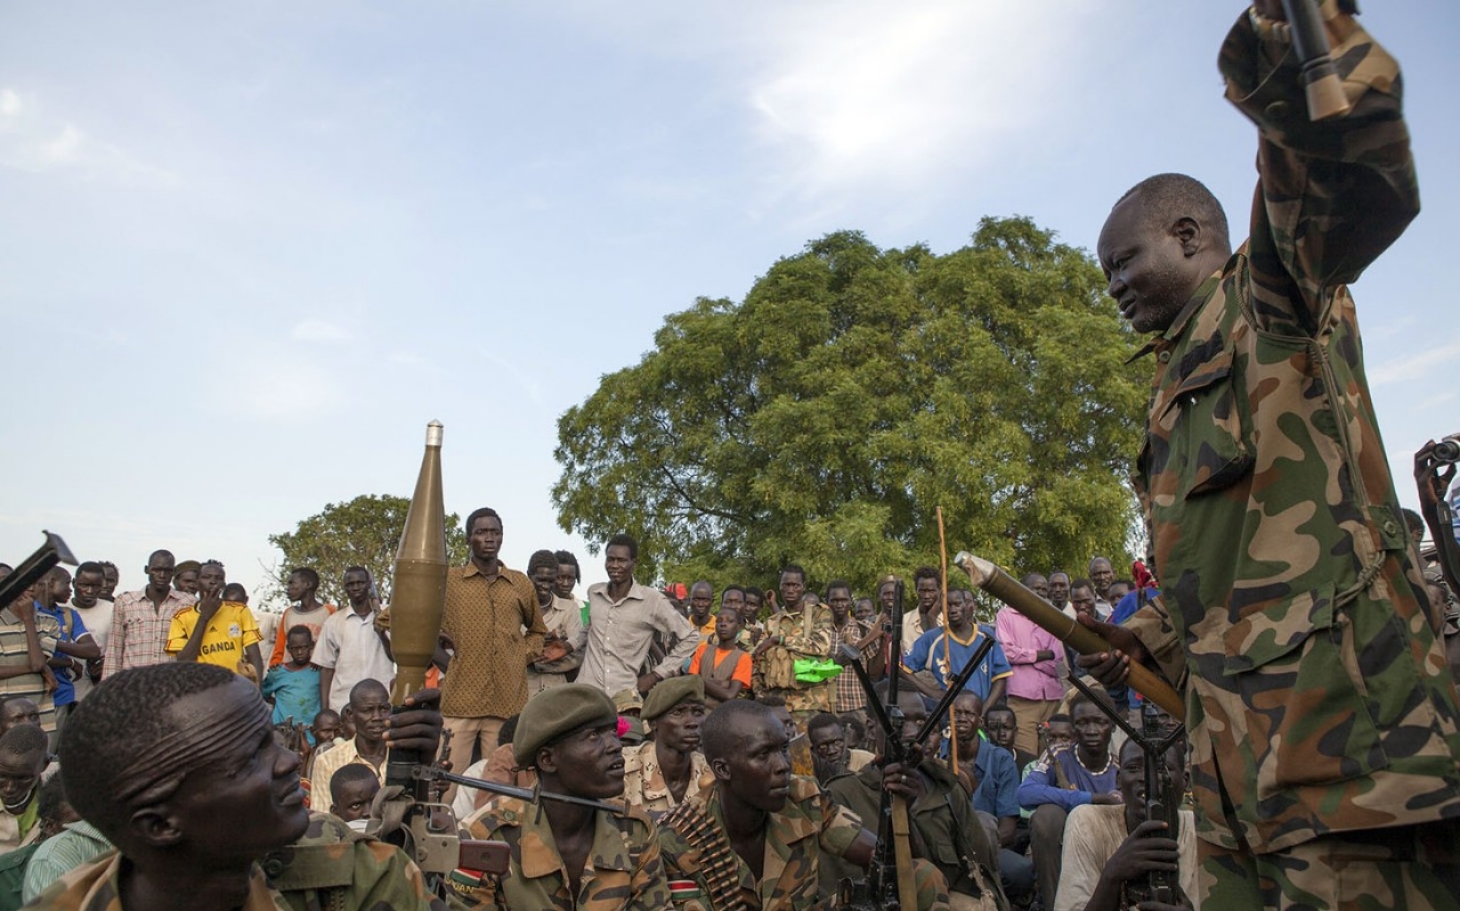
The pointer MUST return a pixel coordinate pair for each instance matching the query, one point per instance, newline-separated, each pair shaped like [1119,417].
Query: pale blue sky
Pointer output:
[247,251]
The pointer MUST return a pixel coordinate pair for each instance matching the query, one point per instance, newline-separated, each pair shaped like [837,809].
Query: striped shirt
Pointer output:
[13,652]
[139,630]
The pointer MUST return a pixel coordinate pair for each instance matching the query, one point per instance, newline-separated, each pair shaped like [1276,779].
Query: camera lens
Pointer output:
[1447,451]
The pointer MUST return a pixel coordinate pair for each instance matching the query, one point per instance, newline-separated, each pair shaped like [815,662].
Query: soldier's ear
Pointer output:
[546,761]
[155,827]
[721,768]
[1188,233]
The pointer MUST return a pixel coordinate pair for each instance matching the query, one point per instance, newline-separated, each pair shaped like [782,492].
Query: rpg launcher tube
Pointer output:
[419,594]
[993,579]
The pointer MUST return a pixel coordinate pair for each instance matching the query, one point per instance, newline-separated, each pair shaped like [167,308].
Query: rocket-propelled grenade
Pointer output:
[993,579]
[419,594]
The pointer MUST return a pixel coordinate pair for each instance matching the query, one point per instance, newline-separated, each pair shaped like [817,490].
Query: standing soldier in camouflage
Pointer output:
[798,632]
[1322,719]
[566,856]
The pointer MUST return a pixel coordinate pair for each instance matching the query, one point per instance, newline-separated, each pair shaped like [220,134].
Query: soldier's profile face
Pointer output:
[590,762]
[1146,266]
[759,773]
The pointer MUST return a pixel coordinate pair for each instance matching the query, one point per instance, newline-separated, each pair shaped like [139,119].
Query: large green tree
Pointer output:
[364,531]
[854,390]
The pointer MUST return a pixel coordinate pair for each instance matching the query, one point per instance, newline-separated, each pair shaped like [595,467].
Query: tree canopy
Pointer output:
[854,390]
[364,531]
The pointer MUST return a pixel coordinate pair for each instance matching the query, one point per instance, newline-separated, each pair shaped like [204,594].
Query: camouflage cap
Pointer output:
[186,566]
[555,712]
[625,701]
[666,694]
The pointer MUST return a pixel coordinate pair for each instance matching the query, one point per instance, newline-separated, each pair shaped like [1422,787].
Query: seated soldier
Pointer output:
[830,738]
[352,789]
[940,808]
[1062,780]
[567,855]
[757,838]
[22,759]
[1111,848]
[176,764]
[668,769]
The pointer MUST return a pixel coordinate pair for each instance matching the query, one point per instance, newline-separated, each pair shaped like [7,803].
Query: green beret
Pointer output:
[666,694]
[557,711]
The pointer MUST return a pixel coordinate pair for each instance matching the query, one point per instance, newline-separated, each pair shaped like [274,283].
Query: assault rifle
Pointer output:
[1162,801]
[889,885]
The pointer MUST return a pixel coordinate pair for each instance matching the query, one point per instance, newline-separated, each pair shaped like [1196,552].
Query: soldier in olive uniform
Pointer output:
[176,764]
[1323,722]
[756,839]
[941,810]
[669,768]
[566,856]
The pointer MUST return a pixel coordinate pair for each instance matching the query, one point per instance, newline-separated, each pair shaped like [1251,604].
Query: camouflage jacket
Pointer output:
[623,870]
[809,823]
[331,867]
[1316,690]
[644,786]
[805,636]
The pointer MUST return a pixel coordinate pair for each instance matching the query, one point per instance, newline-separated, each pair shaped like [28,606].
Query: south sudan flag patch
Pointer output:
[683,890]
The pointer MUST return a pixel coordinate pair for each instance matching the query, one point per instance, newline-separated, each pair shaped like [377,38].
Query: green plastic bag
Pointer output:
[808,671]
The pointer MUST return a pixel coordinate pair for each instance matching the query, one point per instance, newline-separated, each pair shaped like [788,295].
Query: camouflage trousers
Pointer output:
[1413,868]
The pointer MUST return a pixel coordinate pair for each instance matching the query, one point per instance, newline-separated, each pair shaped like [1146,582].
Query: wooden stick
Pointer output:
[947,648]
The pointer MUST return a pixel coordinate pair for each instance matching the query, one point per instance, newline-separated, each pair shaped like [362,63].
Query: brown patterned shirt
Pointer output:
[488,675]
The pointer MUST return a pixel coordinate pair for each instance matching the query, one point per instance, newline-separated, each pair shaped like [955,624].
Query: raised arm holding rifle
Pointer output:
[1323,723]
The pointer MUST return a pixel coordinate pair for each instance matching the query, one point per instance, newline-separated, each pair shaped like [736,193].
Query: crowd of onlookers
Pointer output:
[1039,762]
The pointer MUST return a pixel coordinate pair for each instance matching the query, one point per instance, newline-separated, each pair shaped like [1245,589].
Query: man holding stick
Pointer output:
[1323,722]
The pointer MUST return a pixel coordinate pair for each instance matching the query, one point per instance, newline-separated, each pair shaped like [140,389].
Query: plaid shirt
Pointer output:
[849,695]
[139,631]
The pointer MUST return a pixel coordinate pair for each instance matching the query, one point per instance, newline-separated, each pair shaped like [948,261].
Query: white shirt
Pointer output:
[620,633]
[1093,833]
[98,620]
[349,645]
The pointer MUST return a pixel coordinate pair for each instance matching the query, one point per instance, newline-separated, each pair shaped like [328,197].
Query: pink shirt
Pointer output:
[1022,640]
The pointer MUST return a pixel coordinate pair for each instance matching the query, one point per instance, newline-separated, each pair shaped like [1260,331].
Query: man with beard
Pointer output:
[668,769]
[566,855]
[1107,848]
[939,807]
[1062,780]
[177,765]
[758,838]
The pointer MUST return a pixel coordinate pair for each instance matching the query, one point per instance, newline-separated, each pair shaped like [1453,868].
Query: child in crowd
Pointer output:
[352,790]
[293,687]
[307,610]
